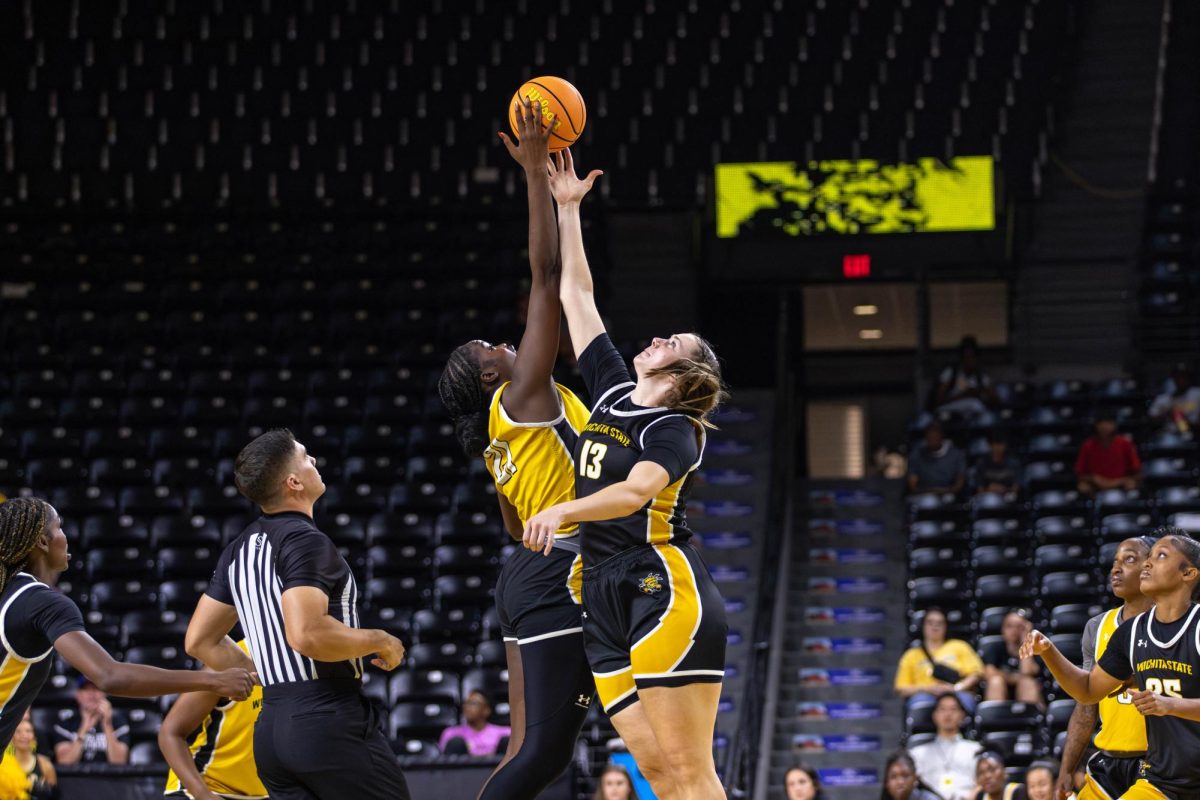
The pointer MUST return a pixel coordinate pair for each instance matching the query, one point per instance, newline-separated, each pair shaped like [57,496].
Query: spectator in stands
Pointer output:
[802,782]
[1039,780]
[94,733]
[991,781]
[999,470]
[1007,676]
[1177,408]
[948,762]
[476,736]
[963,389]
[39,771]
[1106,460]
[936,465]
[615,784]
[939,666]
[900,781]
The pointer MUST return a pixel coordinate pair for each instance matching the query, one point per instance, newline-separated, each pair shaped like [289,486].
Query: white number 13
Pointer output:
[589,459]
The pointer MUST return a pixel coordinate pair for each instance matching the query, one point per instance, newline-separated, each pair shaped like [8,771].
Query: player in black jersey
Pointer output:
[654,622]
[1158,651]
[508,410]
[37,619]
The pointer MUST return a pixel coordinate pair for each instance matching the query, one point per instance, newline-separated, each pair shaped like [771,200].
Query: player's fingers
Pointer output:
[591,178]
[512,148]
[570,160]
[535,117]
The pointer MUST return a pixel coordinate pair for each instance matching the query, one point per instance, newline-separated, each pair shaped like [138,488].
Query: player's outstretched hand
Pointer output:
[564,184]
[533,148]
[1151,704]
[541,528]
[1035,644]
[390,655]
[236,683]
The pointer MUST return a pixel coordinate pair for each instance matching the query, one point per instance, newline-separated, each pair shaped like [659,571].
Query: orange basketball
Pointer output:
[562,108]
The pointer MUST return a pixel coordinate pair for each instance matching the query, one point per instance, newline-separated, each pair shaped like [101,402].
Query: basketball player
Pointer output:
[37,619]
[1121,740]
[1158,652]
[208,742]
[508,409]
[318,736]
[654,622]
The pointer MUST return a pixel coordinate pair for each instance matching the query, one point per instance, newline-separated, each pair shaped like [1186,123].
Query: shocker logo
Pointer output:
[651,584]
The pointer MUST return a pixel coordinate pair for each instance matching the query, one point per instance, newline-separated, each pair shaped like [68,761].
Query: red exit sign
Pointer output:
[856,266]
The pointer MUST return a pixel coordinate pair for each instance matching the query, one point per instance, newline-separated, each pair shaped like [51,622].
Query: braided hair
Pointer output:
[22,521]
[462,394]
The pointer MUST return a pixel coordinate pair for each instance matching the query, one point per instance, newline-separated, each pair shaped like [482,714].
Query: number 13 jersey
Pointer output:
[620,434]
[1164,658]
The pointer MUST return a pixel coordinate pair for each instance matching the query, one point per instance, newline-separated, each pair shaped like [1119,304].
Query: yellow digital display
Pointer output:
[854,197]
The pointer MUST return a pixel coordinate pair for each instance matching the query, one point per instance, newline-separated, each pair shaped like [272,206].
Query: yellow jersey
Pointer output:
[1122,726]
[532,462]
[223,749]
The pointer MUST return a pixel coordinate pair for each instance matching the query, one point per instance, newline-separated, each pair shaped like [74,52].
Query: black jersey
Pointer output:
[1165,659]
[32,617]
[618,435]
[275,553]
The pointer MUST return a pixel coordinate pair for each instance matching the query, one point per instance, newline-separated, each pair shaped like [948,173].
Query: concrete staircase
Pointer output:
[1078,278]
[845,631]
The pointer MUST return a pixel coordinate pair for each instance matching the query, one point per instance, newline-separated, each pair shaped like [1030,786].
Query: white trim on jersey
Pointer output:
[1133,639]
[700,430]
[614,410]
[612,389]
[551,635]
[1178,634]
[683,673]
[4,628]
[562,412]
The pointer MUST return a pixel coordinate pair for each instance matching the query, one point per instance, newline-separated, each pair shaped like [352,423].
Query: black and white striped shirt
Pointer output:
[275,553]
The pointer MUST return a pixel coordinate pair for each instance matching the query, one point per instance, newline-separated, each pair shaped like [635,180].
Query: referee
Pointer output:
[318,736]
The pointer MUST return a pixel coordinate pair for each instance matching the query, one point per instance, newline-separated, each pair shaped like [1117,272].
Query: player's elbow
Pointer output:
[305,642]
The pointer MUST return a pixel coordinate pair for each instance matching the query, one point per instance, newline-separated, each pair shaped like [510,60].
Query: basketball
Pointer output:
[562,107]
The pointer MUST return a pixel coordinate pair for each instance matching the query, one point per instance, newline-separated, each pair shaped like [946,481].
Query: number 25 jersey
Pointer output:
[620,434]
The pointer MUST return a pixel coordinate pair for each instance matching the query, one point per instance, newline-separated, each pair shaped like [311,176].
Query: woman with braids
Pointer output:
[36,619]
[1156,657]
[508,410]
[654,622]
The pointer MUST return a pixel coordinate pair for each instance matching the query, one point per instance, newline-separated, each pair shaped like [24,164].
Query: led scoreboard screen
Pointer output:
[783,198]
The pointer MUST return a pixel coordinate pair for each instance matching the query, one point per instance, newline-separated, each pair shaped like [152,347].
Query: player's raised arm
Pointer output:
[531,397]
[1085,687]
[578,296]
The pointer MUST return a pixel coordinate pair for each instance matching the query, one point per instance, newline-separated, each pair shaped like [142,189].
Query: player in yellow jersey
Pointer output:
[1121,741]
[208,742]
[508,410]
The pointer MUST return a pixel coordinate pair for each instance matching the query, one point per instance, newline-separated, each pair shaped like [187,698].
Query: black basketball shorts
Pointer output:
[652,617]
[1109,776]
[538,596]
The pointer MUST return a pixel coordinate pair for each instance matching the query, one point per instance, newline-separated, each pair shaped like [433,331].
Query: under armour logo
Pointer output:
[584,614]
[603,408]
[1141,643]
[583,701]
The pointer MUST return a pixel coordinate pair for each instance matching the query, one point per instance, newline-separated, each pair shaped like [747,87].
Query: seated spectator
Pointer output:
[900,781]
[948,762]
[1106,460]
[802,782]
[1039,780]
[95,733]
[999,470]
[991,781]
[1177,408]
[939,666]
[936,465]
[26,773]
[476,736]
[1007,677]
[615,784]
[964,389]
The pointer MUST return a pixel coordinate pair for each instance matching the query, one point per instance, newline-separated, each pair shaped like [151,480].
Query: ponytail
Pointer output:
[698,386]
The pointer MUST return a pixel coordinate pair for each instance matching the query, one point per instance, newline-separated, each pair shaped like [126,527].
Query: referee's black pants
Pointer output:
[323,740]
